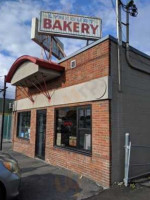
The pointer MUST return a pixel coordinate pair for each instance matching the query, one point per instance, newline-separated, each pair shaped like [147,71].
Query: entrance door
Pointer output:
[40,134]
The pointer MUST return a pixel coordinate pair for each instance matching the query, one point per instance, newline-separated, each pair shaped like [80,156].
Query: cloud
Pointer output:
[15,28]
[67,6]
[105,11]
[5,63]
[72,45]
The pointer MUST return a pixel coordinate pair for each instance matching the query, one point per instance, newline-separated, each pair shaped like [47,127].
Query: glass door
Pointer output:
[40,134]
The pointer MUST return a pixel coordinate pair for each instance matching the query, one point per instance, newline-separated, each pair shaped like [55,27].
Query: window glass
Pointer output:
[85,139]
[66,129]
[81,118]
[73,128]
[24,125]
[87,118]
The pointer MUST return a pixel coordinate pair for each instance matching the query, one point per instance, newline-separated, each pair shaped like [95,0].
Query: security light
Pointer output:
[129,4]
[131,8]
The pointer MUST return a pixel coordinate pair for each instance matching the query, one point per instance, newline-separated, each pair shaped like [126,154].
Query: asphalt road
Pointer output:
[41,181]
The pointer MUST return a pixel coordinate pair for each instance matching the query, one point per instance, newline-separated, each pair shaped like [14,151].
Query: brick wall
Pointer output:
[96,167]
[24,146]
[91,64]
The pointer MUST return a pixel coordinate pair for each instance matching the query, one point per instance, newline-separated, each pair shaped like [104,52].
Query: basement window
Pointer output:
[73,128]
[23,129]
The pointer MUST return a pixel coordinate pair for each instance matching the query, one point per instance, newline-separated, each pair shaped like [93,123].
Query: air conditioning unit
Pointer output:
[10,106]
[73,64]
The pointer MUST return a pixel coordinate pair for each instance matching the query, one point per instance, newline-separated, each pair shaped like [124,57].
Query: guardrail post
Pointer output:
[127,158]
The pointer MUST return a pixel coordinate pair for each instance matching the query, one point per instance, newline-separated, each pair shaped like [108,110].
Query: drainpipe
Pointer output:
[119,36]
[127,40]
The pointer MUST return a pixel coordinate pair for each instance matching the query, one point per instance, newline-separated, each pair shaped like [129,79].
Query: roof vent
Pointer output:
[73,64]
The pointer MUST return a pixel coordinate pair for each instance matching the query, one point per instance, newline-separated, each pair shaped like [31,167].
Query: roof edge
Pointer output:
[100,41]
[85,48]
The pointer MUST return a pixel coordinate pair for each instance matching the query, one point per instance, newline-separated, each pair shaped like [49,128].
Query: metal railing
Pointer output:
[128,164]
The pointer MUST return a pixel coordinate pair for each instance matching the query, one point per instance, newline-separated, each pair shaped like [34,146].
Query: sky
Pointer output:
[15,26]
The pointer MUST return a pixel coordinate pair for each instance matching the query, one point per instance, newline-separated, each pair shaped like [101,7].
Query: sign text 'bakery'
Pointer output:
[67,25]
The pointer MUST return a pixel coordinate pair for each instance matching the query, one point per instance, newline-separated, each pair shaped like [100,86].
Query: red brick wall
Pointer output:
[91,64]
[24,146]
[96,167]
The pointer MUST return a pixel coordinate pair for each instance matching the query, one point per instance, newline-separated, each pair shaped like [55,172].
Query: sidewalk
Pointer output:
[122,193]
[41,181]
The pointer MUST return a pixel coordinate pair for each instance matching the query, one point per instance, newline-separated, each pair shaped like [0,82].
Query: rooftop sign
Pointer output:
[67,25]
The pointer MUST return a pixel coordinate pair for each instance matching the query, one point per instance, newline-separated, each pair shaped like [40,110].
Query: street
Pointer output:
[42,181]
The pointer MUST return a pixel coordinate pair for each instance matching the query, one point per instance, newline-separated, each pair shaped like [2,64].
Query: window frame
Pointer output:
[23,138]
[76,150]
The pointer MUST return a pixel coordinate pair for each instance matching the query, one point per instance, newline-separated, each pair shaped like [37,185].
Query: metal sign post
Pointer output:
[47,41]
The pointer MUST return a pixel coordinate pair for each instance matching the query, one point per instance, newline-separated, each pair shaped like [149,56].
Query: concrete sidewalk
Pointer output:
[41,181]
[122,193]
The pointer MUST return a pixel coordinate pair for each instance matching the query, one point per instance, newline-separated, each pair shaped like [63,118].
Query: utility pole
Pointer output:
[3,113]
[119,36]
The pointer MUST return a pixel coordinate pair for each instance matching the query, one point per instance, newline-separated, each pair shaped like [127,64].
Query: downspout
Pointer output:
[127,40]
[119,36]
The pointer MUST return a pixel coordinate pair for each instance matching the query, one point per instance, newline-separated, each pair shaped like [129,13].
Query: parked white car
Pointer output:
[9,177]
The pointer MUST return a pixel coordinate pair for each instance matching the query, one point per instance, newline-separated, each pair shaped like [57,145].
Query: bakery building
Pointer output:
[72,115]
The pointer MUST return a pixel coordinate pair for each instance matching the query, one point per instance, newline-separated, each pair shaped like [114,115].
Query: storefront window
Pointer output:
[73,128]
[85,128]
[24,125]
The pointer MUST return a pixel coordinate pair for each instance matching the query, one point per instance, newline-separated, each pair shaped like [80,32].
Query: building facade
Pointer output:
[71,113]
